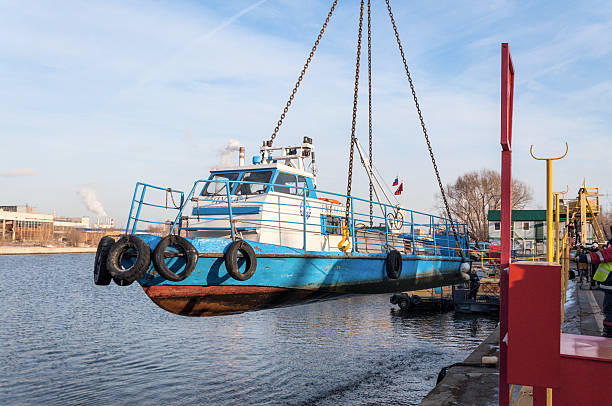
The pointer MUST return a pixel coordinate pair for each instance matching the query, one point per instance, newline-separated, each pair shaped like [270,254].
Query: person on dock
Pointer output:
[583,267]
[474,284]
[603,258]
[593,267]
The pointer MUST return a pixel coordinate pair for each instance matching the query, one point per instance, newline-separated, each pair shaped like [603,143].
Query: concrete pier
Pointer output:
[469,385]
[16,250]
[478,386]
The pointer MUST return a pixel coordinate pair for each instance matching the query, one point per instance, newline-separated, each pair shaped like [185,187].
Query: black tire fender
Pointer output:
[190,254]
[231,260]
[393,264]
[101,275]
[119,249]
[416,300]
[404,303]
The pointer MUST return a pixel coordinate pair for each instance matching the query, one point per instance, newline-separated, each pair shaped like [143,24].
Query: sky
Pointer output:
[98,95]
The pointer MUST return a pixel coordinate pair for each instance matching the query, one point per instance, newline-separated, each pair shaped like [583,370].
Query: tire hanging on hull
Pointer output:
[190,255]
[102,276]
[393,264]
[119,250]
[231,260]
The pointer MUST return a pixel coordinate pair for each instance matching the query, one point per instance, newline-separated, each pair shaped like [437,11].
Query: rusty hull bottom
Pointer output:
[202,301]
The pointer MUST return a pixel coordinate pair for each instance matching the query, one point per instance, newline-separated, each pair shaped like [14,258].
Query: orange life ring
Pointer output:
[333,201]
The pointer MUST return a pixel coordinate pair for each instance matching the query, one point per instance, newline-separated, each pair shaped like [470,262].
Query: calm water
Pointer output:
[66,341]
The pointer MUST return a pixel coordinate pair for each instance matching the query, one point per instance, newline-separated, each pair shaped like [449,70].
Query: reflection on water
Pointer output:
[66,341]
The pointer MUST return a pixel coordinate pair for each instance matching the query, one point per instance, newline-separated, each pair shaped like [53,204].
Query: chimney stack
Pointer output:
[241,157]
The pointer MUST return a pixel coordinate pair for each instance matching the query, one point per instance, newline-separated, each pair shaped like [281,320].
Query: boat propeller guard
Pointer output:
[188,252]
[116,254]
[231,260]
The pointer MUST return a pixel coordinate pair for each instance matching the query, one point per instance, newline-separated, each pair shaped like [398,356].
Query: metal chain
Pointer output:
[354,121]
[302,73]
[370,106]
[416,102]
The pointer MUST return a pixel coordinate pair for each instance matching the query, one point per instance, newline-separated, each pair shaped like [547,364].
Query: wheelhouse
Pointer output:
[259,180]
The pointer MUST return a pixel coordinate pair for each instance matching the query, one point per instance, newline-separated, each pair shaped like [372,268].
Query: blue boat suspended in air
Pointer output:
[259,236]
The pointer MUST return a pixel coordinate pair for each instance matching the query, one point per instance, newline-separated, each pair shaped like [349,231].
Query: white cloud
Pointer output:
[16,173]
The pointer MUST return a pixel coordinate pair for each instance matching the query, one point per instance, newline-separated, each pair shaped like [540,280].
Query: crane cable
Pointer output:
[301,76]
[431,154]
[354,121]
[370,104]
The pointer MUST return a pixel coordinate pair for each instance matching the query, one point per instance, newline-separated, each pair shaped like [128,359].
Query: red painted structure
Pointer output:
[494,255]
[533,352]
[577,368]
[507,102]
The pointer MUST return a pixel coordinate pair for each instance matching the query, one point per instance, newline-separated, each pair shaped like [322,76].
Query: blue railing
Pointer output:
[134,217]
[409,231]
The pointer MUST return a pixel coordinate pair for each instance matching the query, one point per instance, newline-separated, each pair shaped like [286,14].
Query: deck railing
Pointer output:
[390,227]
[139,201]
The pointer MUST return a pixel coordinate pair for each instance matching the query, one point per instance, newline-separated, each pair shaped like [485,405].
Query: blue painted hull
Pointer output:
[286,276]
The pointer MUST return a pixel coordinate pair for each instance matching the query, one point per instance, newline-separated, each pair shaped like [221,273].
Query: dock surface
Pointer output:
[478,386]
[469,385]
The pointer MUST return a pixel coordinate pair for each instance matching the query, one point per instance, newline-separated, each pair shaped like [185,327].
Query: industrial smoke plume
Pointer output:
[91,202]
[227,151]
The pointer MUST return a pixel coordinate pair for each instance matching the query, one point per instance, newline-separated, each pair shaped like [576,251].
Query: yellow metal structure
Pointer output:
[549,201]
[586,208]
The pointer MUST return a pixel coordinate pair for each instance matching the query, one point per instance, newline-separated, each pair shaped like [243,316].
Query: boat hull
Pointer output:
[287,276]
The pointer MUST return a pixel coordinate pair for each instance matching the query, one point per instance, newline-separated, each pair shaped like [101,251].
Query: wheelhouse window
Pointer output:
[497,226]
[218,187]
[526,226]
[254,188]
[303,184]
[285,183]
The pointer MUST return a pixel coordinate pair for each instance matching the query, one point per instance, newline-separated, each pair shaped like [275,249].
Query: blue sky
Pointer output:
[100,94]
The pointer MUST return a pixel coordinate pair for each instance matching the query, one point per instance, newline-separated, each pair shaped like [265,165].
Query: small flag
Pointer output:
[400,189]
[395,182]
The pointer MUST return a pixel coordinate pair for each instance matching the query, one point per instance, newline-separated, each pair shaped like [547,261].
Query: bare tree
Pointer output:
[475,193]
[605,221]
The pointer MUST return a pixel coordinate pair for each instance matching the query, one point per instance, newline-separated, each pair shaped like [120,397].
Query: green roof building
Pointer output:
[528,230]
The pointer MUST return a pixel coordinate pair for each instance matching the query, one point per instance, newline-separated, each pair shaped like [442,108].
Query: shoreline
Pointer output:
[46,250]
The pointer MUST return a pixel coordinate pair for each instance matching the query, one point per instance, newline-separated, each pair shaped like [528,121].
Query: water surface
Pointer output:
[67,341]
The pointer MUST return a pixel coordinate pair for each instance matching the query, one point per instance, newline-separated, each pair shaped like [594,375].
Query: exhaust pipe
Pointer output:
[241,157]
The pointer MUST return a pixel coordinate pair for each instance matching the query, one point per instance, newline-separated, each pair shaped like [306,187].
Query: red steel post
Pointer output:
[507,99]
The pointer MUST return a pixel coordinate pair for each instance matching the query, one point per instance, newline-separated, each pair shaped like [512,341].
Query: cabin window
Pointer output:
[254,188]
[283,183]
[303,184]
[526,226]
[331,224]
[497,226]
[218,188]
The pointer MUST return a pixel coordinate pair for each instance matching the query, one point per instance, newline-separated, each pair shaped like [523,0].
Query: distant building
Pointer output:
[18,209]
[63,225]
[22,223]
[529,229]
[103,223]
